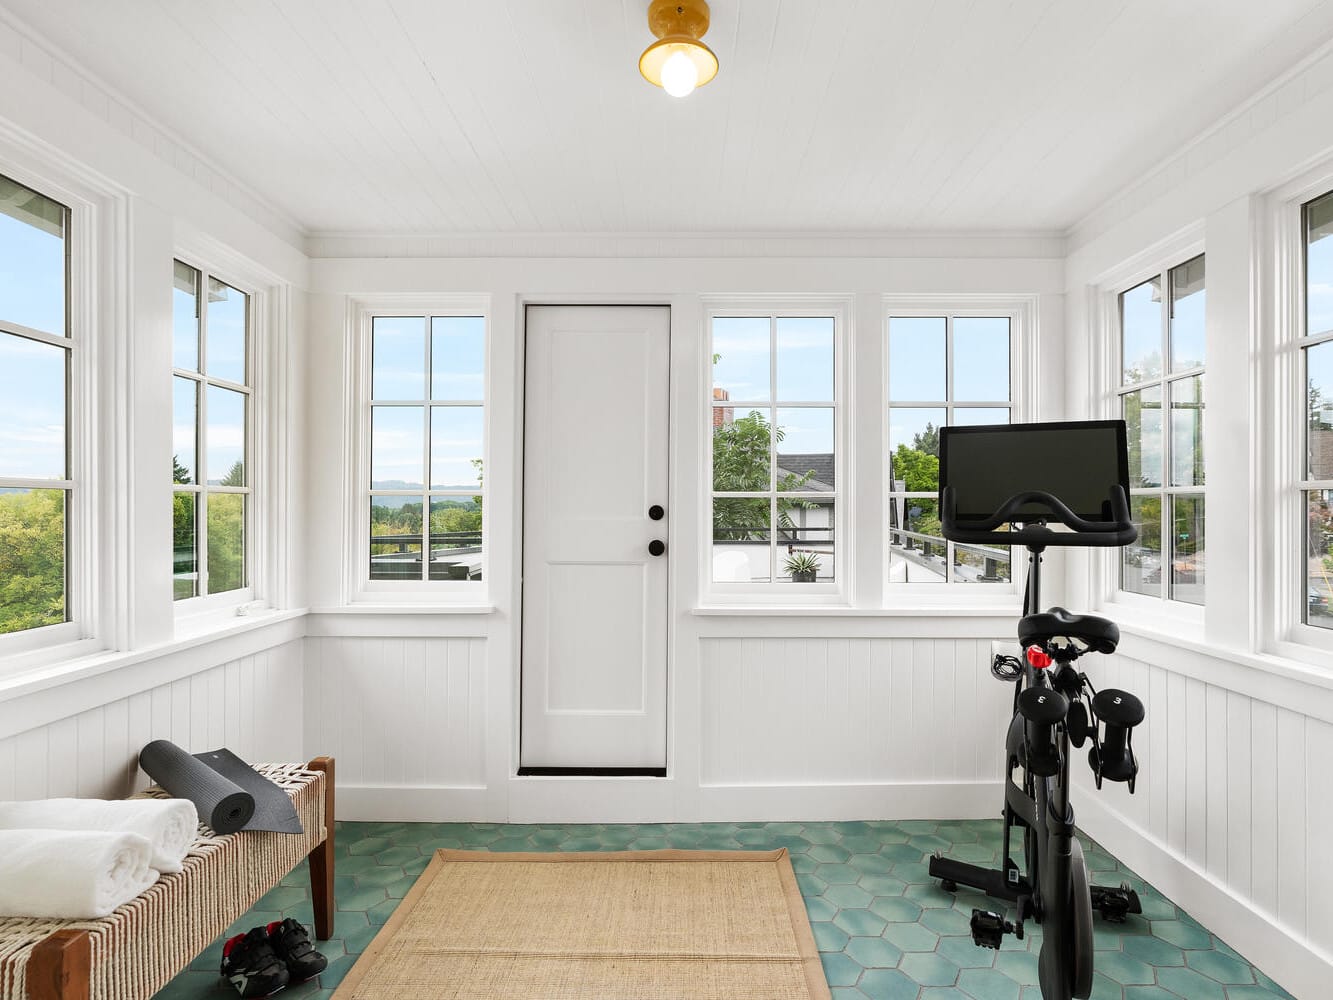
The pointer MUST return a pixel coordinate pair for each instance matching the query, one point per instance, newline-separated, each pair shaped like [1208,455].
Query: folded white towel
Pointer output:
[169,824]
[71,874]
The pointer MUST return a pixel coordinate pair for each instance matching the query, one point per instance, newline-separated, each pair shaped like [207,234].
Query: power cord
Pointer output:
[1006,668]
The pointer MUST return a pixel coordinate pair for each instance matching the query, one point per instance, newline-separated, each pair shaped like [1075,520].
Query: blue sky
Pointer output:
[398,372]
[32,374]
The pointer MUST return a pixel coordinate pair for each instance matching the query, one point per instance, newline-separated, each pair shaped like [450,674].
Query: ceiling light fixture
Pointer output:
[678,61]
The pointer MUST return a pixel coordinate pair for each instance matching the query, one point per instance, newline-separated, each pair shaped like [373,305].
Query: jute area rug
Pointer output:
[649,925]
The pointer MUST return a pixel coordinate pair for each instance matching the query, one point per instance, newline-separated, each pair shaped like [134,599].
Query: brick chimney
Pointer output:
[723,416]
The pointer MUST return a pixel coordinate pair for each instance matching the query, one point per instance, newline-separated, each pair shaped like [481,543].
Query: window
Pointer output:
[212,410]
[1317,362]
[37,489]
[944,369]
[1161,396]
[775,468]
[427,434]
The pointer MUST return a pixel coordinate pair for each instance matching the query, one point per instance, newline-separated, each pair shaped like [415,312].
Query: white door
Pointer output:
[594,594]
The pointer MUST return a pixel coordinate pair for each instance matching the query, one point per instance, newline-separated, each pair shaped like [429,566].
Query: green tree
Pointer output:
[32,559]
[226,542]
[235,475]
[179,473]
[741,464]
[919,472]
[183,544]
[928,441]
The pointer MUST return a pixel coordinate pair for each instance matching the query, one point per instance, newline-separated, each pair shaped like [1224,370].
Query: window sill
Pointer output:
[825,611]
[81,665]
[369,608]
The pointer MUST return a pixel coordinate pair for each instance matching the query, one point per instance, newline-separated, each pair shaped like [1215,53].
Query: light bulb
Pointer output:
[679,75]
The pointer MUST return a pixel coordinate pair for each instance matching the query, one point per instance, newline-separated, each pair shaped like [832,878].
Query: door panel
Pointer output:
[594,599]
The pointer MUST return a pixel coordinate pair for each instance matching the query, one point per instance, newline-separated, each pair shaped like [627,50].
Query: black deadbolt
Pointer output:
[656,512]
[656,547]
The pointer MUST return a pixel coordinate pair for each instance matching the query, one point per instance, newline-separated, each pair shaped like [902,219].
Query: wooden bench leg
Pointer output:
[60,967]
[321,859]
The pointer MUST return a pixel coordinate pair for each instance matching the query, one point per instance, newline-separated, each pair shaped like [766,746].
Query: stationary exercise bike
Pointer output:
[1042,485]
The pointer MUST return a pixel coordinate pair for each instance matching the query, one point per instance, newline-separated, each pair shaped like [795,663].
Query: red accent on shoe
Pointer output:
[269,928]
[1038,658]
[231,943]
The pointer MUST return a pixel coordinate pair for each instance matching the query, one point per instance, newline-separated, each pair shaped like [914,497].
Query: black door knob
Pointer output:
[656,547]
[656,512]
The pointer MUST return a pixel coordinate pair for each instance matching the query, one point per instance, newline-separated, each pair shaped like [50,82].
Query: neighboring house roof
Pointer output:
[820,463]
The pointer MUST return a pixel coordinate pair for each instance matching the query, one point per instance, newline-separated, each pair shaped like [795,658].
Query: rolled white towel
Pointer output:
[169,824]
[71,874]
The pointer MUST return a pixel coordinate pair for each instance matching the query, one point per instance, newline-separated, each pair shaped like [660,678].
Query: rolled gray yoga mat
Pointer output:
[229,794]
[221,803]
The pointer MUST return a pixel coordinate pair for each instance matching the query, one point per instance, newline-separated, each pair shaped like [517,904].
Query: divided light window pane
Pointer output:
[444,375]
[1164,424]
[184,429]
[1187,306]
[34,410]
[917,351]
[773,419]
[980,359]
[1317,505]
[210,434]
[228,318]
[1319,266]
[33,405]
[943,370]
[458,357]
[741,352]
[32,259]
[398,358]
[185,317]
[1141,332]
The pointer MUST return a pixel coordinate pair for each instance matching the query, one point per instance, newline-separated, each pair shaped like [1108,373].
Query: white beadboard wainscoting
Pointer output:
[251,704]
[850,727]
[1234,806]
[406,719]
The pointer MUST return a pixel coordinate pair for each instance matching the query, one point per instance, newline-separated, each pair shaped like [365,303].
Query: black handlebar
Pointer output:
[1119,530]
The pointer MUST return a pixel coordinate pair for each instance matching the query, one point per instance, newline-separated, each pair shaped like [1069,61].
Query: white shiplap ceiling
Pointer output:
[529,116]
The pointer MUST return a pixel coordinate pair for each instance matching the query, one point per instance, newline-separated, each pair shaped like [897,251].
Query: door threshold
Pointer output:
[592,772]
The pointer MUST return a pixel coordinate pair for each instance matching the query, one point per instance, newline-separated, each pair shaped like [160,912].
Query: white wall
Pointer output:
[1233,803]
[76,727]
[385,666]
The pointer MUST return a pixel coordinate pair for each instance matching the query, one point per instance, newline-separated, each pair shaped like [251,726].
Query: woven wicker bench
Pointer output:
[134,952]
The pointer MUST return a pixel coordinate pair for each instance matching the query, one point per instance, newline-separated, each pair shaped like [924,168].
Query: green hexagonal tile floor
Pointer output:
[885,929]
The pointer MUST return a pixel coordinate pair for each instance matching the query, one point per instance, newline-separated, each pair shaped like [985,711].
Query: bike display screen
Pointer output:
[1077,461]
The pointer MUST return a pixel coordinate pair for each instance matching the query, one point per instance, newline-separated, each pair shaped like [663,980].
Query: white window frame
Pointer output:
[1164,381]
[836,593]
[1285,570]
[1104,390]
[98,597]
[358,587]
[208,601]
[1021,311]
[268,524]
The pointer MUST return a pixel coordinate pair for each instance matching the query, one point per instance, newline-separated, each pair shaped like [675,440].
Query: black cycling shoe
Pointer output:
[291,944]
[249,964]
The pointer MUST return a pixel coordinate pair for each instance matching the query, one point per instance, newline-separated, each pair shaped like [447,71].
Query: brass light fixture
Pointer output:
[678,61]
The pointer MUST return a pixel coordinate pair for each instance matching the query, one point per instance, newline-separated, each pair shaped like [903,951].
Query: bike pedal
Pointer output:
[989,929]
[1115,904]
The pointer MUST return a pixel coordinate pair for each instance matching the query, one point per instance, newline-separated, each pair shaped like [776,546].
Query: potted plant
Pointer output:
[803,567]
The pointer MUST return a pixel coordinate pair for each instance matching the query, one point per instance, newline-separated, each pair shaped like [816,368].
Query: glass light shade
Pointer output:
[679,75]
[656,59]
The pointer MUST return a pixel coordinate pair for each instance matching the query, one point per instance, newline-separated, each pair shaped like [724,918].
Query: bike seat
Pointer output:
[1098,634]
